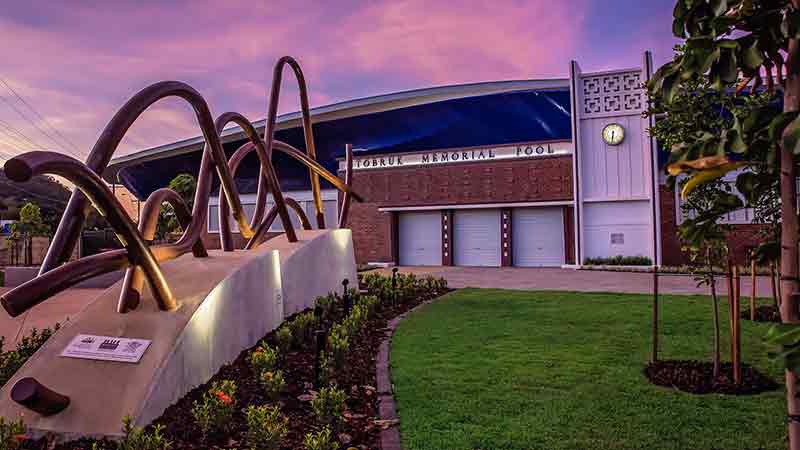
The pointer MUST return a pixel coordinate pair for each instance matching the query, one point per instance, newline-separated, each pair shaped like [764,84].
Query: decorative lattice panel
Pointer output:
[612,94]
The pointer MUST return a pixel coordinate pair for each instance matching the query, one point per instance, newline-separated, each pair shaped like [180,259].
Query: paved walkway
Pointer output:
[57,309]
[575,280]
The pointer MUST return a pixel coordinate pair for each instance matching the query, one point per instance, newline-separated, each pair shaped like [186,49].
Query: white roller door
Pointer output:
[476,237]
[420,238]
[537,237]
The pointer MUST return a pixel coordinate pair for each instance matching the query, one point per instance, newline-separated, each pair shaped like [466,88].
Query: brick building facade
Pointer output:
[531,173]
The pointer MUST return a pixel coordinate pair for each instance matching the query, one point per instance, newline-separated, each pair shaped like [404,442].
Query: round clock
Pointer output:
[613,134]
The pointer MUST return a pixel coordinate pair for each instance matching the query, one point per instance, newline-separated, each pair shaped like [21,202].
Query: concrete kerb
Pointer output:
[387,409]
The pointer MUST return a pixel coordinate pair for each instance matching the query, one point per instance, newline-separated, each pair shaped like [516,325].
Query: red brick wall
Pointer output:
[533,180]
[742,238]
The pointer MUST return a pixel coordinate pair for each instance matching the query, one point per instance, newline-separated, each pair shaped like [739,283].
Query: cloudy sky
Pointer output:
[67,66]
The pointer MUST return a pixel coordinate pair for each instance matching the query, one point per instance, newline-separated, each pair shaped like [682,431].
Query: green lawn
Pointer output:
[493,369]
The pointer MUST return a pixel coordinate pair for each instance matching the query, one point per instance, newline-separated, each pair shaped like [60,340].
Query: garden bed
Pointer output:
[696,377]
[356,426]
[764,313]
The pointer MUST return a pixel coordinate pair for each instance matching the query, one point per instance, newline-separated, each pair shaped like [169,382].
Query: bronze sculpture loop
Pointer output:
[21,168]
[133,282]
[139,258]
[348,180]
[308,132]
[69,228]
[267,177]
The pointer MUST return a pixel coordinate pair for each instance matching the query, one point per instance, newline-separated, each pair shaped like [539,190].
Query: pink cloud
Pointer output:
[80,63]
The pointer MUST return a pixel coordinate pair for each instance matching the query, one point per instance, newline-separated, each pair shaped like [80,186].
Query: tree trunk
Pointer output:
[735,331]
[774,287]
[753,290]
[789,233]
[654,354]
[713,284]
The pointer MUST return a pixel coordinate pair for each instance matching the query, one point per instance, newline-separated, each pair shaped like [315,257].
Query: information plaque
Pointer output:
[106,348]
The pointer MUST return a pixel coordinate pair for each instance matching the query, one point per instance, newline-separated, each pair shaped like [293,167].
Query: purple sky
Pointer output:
[77,62]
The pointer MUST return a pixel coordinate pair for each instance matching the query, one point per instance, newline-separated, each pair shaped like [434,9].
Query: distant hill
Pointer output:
[49,194]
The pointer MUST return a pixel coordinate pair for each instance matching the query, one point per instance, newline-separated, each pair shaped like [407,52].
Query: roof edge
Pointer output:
[341,110]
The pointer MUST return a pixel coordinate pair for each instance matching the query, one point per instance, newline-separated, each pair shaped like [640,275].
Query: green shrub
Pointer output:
[327,305]
[11,361]
[619,260]
[328,405]
[321,440]
[214,411]
[137,439]
[326,368]
[11,434]
[263,358]
[266,427]
[283,339]
[409,287]
[273,383]
[302,327]
[339,344]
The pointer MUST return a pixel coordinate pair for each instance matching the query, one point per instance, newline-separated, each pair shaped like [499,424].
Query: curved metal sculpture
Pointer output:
[141,260]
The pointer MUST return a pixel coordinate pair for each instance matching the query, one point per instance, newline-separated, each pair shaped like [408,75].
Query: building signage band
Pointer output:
[439,157]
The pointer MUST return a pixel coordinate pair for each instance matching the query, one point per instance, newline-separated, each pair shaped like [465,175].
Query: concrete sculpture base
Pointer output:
[228,301]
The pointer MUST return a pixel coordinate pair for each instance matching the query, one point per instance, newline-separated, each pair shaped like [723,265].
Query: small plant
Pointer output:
[263,358]
[12,434]
[283,339]
[11,361]
[339,344]
[302,327]
[273,383]
[214,411]
[619,260]
[266,427]
[138,439]
[327,305]
[328,405]
[321,440]
[326,368]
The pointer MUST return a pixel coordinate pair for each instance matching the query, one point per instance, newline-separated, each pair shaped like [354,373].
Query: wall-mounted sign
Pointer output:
[106,348]
[476,154]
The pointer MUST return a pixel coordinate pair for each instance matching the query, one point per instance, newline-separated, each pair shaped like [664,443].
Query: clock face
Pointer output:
[613,134]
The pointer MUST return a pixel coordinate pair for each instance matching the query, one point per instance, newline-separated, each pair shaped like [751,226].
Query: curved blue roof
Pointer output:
[495,119]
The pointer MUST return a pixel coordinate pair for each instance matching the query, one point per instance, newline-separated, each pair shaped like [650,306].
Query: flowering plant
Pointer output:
[214,411]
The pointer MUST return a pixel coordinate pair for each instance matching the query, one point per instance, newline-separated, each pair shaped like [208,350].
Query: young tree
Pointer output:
[754,43]
[30,224]
[185,185]
[705,237]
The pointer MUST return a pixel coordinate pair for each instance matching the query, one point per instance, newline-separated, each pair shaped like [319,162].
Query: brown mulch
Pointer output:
[696,377]
[358,380]
[764,313]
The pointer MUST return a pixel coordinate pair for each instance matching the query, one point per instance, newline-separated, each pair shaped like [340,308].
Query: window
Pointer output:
[304,198]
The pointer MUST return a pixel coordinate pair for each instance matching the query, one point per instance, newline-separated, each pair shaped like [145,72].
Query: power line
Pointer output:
[13,141]
[35,125]
[45,121]
[21,135]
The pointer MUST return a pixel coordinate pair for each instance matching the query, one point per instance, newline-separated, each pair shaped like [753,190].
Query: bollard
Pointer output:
[35,396]
[348,300]
[394,286]
[319,344]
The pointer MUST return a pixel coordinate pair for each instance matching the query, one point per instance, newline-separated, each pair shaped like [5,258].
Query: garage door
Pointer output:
[476,237]
[537,237]
[420,239]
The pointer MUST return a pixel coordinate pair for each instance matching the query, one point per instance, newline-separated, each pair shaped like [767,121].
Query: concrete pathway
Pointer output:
[575,280]
[57,309]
